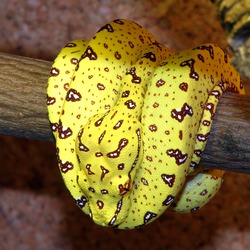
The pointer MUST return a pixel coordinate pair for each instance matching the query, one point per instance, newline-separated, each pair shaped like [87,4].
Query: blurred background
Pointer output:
[36,210]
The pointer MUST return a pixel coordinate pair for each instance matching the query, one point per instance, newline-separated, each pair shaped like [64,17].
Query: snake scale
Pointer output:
[131,119]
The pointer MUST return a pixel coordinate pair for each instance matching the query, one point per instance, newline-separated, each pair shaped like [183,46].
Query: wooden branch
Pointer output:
[23,83]
[228,146]
[23,107]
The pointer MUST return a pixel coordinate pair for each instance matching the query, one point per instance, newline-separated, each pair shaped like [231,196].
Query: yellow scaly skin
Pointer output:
[131,119]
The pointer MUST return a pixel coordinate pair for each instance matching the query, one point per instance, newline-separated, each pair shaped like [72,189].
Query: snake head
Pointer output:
[108,151]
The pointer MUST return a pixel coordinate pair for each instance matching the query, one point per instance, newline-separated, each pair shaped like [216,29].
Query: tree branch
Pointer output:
[23,83]
[23,109]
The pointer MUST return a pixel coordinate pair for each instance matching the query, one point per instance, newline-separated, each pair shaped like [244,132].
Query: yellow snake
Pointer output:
[131,119]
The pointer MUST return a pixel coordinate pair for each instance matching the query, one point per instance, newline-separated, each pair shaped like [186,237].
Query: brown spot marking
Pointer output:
[125,93]
[70,45]
[100,204]
[203,193]
[180,134]
[193,165]
[135,79]
[206,123]
[198,152]
[222,86]
[118,209]
[156,105]
[66,86]
[89,52]
[118,55]
[225,57]
[101,137]
[168,179]
[74,61]
[73,96]
[104,172]
[131,44]
[202,137]
[179,115]
[88,166]
[216,94]
[180,157]
[144,181]
[113,115]
[163,63]
[194,209]
[190,64]
[107,27]
[151,56]
[54,126]
[91,189]
[98,154]
[124,188]
[104,191]
[157,44]
[141,38]
[160,83]
[115,91]
[210,107]
[118,124]
[149,158]
[149,216]
[118,21]
[120,166]
[152,128]
[168,200]
[208,48]
[63,132]
[183,86]
[81,202]
[201,57]
[100,86]
[65,166]
[50,100]
[130,104]
[212,79]
[99,122]
[82,147]
[116,153]
[54,72]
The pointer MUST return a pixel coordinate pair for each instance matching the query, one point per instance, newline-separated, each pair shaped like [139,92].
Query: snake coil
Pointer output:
[131,119]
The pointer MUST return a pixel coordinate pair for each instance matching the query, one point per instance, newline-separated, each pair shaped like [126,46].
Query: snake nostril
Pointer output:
[98,154]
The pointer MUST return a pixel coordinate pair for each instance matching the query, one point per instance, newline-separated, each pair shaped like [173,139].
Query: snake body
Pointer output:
[131,119]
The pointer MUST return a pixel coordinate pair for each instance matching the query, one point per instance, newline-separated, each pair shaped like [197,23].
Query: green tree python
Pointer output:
[131,119]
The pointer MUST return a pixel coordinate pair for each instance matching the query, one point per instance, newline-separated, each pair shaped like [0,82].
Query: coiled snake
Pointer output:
[131,119]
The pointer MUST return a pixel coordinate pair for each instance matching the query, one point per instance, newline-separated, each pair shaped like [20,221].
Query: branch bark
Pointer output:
[23,109]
